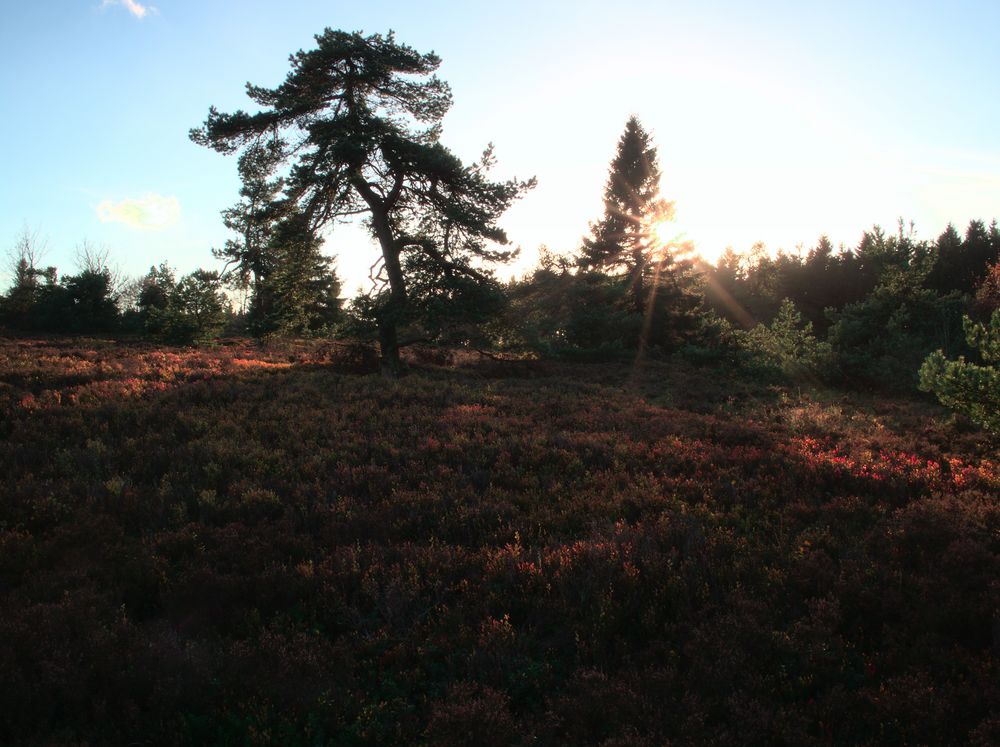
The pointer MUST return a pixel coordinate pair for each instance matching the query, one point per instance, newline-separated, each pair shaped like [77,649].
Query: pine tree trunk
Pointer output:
[391,364]
[638,290]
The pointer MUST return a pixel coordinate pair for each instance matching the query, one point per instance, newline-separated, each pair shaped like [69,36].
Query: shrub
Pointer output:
[788,343]
[969,388]
[194,310]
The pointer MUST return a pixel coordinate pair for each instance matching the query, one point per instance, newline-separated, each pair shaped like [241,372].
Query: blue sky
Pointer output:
[775,121]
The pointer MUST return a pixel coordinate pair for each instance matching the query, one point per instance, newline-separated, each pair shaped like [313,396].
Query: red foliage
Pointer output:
[244,545]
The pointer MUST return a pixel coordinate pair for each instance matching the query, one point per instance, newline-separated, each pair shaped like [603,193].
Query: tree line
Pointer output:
[99,299]
[355,130]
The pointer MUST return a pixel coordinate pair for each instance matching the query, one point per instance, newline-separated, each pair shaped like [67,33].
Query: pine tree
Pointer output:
[969,388]
[195,310]
[629,243]
[253,218]
[357,122]
[620,240]
[298,294]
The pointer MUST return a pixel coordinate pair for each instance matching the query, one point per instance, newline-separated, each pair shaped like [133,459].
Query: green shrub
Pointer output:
[966,387]
[194,310]
[788,344]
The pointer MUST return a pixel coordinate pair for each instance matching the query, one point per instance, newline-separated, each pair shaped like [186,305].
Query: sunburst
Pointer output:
[665,235]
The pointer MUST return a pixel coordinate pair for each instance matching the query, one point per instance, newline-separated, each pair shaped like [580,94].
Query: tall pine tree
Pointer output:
[357,123]
[630,243]
[631,200]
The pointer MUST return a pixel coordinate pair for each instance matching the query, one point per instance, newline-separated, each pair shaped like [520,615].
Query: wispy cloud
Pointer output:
[134,7]
[150,212]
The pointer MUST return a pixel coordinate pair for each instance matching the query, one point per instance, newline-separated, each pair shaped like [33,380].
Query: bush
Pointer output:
[971,389]
[194,311]
[591,316]
[882,340]
[788,343]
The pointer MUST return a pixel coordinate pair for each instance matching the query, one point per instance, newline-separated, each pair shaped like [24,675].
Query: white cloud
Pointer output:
[134,7]
[151,212]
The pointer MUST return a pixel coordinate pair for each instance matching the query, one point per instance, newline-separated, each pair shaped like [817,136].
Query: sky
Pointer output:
[774,121]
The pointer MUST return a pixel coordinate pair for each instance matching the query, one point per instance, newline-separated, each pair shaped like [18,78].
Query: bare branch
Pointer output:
[97,260]
[30,247]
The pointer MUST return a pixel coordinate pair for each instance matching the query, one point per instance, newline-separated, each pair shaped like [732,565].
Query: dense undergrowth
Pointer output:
[243,545]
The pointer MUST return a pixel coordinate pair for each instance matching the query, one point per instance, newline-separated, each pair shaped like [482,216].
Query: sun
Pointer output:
[663,232]
[666,234]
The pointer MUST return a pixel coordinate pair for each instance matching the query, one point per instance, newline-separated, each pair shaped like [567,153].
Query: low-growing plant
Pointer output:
[304,555]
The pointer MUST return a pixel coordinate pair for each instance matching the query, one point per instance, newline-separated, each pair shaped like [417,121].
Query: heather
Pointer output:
[265,544]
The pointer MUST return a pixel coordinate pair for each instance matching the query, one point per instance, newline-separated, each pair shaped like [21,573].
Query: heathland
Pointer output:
[266,544]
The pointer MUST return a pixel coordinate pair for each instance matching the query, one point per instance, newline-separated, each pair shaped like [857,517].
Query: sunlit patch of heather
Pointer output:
[888,466]
[255,363]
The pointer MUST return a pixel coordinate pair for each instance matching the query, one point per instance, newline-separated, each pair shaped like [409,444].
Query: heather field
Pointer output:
[271,545]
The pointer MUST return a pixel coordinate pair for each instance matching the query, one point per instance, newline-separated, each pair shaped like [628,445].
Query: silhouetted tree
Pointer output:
[156,286]
[90,303]
[444,305]
[631,198]
[883,338]
[85,302]
[947,269]
[358,119]
[960,262]
[253,219]
[620,240]
[154,297]
[978,253]
[582,315]
[629,243]
[91,296]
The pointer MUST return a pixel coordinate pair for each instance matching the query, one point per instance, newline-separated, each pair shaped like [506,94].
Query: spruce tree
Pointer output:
[298,293]
[629,243]
[620,240]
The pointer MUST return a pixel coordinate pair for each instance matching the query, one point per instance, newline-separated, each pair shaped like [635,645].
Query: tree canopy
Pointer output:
[357,125]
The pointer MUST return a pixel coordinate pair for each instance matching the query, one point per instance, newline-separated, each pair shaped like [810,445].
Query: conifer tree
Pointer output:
[252,219]
[620,239]
[629,242]
[357,123]
[298,292]
[969,388]
[191,310]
